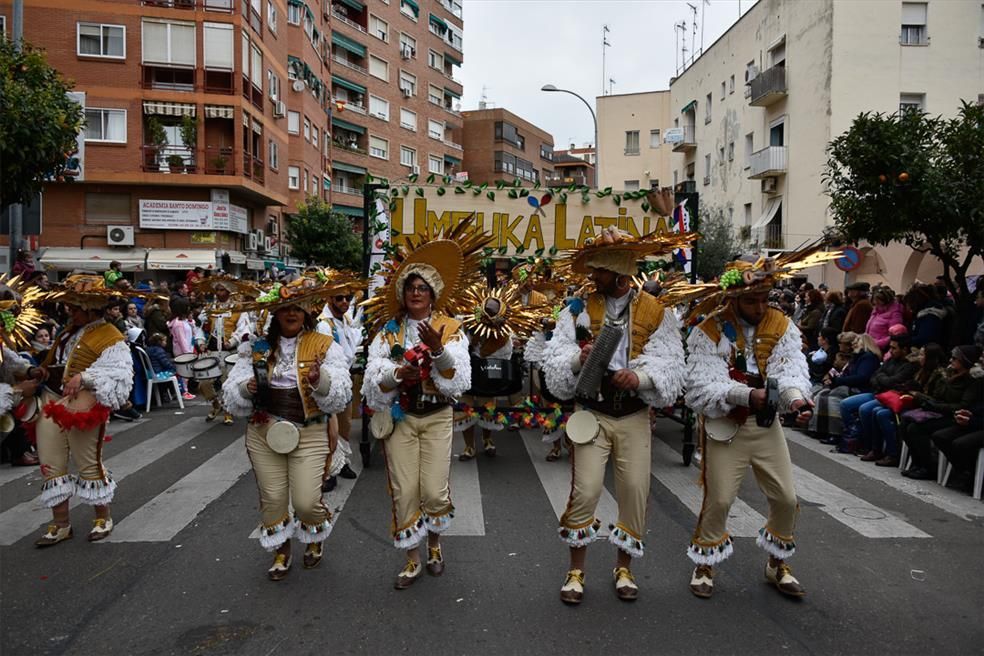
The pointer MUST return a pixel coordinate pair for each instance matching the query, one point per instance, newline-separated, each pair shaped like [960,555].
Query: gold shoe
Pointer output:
[467,454]
[572,592]
[54,535]
[554,454]
[782,577]
[281,565]
[435,561]
[100,529]
[213,413]
[489,447]
[313,554]
[227,420]
[625,585]
[408,575]
[702,581]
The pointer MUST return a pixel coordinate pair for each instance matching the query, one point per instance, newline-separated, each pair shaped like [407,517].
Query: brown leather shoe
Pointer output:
[572,592]
[782,577]
[408,575]
[888,461]
[281,565]
[54,535]
[313,554]
[871,456]
[625,585]
[702,581]
[554,454]
[435,561]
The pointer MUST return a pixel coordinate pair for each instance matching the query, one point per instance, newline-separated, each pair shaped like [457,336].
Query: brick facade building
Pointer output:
[501,146]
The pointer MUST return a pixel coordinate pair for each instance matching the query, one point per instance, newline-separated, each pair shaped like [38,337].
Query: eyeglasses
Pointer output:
[344,297]
[419,289]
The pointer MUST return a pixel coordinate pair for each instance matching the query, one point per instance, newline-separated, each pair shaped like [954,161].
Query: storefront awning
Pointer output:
[162,108]
[343,41]
[235,257]
[351,86]
[348,168]
[768,214]
[354,212]
[219,111]
[95,260]
[354,4]
[180,259]
[437,20]
[351,127]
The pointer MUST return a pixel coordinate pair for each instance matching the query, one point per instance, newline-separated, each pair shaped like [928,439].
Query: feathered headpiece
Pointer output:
[241,289]
[310,291]
[90,292]
[619,252]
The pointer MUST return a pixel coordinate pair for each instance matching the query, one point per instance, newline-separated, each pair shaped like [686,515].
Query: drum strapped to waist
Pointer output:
[230,360]
[496,377]
[207,368]
[283,436]
[182,364]
[724,429]
[583,427]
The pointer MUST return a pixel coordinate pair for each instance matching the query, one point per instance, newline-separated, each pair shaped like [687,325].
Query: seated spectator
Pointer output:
[825,394]
[159,359]
[840,384]
[833,312]
[937,406]
[960,444]
[113,274]
[156,314]
[133,318]
[809,323]
[858,307]
[928,315]
[887,312]
[821,360]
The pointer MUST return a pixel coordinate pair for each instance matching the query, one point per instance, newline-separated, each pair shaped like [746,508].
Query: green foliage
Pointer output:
[189,131]
[718,243]
[916,179]
[156,135]
[38,123]
[318,235]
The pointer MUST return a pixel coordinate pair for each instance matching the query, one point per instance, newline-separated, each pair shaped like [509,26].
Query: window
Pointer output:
[654,184]
[912,101]
[751,70]
[408,46]
[307,129]
[378,68]
[731,151]
[546,152]
[777,53]
[913,24]
[218,46]
[256,67]
[748,149]
[722,90]
[435,95]
[408,156]
[435,129]
[408,119]
[273,82]
[97,40]
[435,60]
[632,142]
[630,185]
[168,43]
[379,108]
[731,85]
[654,139]
[748,214]
[777,132]
[304,180]
[293,14]
[707,168]
[314,137]
[707,109]
[107,125]
[293,177]
[435,164]
[102,209]
[273,155]
[272,16]
[378,28]
[293,122]
[408,84]
[408,11]
[508,132]
[378,147]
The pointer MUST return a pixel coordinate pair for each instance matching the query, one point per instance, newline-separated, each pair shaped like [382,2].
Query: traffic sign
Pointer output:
[850,260]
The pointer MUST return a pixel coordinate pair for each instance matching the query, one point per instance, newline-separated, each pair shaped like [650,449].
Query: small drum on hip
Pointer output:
[283,436]
[230,360]
[182,365]
[583,427]
[720,429]
[207,368]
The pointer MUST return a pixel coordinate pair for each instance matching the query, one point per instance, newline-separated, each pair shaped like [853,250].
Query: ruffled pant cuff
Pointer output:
[95,491]
[703,554]
[410,537]
[439,523]
[275,535]
[57,489]
[579,537]
[777,546]
[312,533]
[626,541]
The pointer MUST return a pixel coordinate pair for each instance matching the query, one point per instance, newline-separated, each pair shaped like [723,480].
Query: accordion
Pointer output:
[594,368]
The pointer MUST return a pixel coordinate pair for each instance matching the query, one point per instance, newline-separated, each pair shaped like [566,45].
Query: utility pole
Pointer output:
[16,212]
[604,45]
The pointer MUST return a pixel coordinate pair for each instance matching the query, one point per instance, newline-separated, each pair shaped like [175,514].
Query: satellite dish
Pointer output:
[298,85]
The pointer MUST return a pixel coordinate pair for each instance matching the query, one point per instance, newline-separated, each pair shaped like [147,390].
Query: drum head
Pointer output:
[185,358]
[720,429]
[582,427]
[230,360]
[381,424]
[283,437]
[206,368]
[6,423]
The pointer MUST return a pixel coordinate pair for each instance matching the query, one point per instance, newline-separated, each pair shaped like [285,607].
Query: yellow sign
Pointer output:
[516,224]
[203,238]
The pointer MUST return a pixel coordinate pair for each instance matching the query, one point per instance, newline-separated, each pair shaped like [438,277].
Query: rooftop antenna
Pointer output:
[611,83]
[704,3]
[604,44]
[484,102]
[693,29]
[681,31]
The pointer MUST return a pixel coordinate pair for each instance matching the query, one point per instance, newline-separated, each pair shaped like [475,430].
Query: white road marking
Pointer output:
[466,495]
[24,518]
[164,516]
[743,520]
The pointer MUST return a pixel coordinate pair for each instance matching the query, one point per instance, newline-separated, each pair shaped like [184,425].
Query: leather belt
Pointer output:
[287,403]
[418,406]
[615,402]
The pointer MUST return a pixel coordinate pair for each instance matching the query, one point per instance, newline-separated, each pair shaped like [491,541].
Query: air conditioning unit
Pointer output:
[415,169]
[273,228]
[119,235]
[280,109]
[407,52]
[252,243]
[297,85]
[270,245]
[769,185]
[406,92]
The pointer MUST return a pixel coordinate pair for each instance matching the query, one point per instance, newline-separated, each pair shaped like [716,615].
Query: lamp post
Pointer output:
[594,119]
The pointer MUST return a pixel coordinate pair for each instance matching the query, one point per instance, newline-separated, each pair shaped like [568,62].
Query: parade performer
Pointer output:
[634,361]
[225,330]
[91,368]
[288,382]
[745,364]
[418,367]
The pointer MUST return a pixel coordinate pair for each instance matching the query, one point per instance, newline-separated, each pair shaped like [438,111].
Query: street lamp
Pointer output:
[550,87]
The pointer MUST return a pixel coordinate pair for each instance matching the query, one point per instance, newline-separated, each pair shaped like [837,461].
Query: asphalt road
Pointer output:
[890,565]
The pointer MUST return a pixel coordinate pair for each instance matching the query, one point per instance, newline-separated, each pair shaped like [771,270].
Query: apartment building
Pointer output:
[630,140]
[502,146]
[569,169]
[396,94]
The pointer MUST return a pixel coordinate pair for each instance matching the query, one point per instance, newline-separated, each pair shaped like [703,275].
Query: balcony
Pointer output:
[171,4]
[253,167]
[688,140]
[219,160]
[341,147]
[768,87]
[451,144]
[566,180]
[168,159]
[344,189]
[342,18]
[772,236]
[220,82]
[349,64]
[767,162]
[252,93]
[168,78]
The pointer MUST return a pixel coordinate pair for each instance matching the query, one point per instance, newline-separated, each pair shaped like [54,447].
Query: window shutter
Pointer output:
[913,13]
[183,44]
[218,46]
[154,42]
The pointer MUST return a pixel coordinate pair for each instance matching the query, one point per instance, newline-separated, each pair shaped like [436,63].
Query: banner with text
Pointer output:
[194,215]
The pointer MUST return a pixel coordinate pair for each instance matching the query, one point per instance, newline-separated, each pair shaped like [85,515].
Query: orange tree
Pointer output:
[319,235]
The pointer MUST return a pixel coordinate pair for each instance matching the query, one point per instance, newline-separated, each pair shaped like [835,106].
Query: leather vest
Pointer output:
[438,321]
[767,334]
[645,317]
[311,347]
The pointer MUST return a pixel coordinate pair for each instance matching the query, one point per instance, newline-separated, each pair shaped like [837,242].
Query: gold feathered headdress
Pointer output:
[310,291]
[19,317]
[619,252]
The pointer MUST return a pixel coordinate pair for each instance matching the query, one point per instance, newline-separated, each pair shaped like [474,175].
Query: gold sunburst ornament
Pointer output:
[20,317]
[496,315]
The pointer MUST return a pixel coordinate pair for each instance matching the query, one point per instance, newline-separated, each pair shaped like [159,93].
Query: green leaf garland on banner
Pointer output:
[430,179]
[513,194]
[441,191]
[413,177]
[490,195]
[420,192]
[459,190]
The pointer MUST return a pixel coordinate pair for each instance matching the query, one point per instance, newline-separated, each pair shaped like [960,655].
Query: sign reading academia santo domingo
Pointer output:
[515,223]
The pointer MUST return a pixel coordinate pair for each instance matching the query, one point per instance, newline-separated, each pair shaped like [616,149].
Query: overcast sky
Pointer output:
[514,47]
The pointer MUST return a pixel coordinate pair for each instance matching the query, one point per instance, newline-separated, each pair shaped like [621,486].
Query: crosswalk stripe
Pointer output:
[951,501]
[743,520]
[26,517]
[15,473]
[556,480]
[466,494]
[163,517]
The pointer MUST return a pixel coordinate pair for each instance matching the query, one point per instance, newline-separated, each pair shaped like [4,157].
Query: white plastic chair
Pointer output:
[979,475]
[153,381]
[904,457]
[943,469]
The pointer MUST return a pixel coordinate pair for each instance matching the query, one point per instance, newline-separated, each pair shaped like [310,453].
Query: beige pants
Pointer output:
[628,442]
[418,468]
[724,467]
[345,422]
[292,479]
[94,485]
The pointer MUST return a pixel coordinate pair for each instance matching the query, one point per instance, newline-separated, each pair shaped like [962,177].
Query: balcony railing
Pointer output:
[168,159]
[253,167]
[688,141]
[564,180]
[349,147]
[173,4]
[772,235]
[168,78]
[346,63]
[348,21]
[343,189]
[768,87]
[767,162]
[219,160]
[452,111]
[452,144]
[220,82]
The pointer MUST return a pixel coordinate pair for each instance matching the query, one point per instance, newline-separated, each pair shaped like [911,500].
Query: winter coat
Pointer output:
[857,317]
[947,395]
[894,375]
[881,320]
[159,359]
[927,327]
[859,372]
[833,317]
